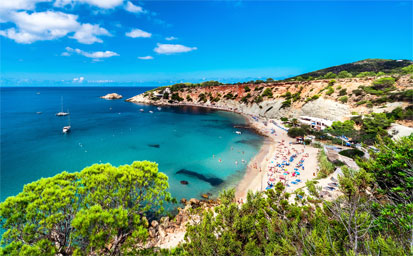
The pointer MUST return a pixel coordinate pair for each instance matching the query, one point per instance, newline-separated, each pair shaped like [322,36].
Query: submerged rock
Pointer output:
[112,96]
[154,145]
[211,180]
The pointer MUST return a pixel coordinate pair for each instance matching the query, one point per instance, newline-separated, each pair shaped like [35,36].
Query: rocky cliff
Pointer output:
[333,99]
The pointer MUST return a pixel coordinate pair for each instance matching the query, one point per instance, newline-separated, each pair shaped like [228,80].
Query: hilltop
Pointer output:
[331,96]
[355,68]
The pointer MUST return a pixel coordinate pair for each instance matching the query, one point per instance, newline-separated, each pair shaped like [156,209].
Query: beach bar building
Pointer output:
[315,123]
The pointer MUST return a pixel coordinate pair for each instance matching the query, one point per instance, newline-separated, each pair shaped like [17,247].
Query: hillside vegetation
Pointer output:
[332,96]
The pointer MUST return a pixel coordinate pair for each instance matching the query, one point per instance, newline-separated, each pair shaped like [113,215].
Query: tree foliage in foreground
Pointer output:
[98,211]
[392,167]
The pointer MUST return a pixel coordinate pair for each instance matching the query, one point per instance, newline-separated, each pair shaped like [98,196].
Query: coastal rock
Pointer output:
[154,223]
[205,196]
[164,222]
[112,96]
[162,232]
[183,201]
[194,201]
[152,232]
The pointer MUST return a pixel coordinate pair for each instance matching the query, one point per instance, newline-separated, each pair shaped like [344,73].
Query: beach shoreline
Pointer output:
[277,145]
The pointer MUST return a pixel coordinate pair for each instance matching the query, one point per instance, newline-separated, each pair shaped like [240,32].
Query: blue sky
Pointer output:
[117,42]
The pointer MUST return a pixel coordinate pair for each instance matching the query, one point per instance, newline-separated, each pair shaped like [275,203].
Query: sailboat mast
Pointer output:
[61,103]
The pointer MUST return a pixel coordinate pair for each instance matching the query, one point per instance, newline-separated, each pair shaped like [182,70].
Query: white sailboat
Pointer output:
[67,128]
[61,113]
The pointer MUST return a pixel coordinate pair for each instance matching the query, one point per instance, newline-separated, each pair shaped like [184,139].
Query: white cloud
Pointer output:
[130,7]
[146,58]
[95,55]
[104,4]
[134,33]
[88,32]
[78,79]
[50,25]
[170,38]
[172,48]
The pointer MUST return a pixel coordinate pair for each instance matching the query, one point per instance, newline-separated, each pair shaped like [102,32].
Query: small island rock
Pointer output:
[112,96]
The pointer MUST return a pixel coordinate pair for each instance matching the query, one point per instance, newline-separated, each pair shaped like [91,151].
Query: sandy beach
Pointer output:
[277,148]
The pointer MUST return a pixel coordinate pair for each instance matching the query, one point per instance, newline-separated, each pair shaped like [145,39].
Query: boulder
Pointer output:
[179,219]
[152,232]
[183,201]
[194,201]
[165,222]
[112,96]
[162,232]
[154,223]
[206,196]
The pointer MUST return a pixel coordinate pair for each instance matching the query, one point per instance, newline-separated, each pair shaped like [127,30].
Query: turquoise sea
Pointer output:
[186,142]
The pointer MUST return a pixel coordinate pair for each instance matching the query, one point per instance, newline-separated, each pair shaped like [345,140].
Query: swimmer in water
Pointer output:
[236,162]
[220,160]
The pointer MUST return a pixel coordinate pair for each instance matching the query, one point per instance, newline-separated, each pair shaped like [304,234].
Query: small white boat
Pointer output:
[62,113]
[159,108]
[38,113]
[37,93]
[150,111]
[66,129]
[238,132]
[141,110]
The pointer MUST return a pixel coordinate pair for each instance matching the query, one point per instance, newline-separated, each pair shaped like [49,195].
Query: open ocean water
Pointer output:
[182,140]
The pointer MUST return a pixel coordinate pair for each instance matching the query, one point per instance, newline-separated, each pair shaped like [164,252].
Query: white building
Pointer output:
[315,123]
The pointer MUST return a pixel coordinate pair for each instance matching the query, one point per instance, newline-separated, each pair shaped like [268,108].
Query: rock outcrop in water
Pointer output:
[112,96]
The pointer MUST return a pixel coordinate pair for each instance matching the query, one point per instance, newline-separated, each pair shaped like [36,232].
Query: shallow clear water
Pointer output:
[116,132]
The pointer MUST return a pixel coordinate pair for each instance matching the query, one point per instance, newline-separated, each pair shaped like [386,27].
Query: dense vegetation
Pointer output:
[101,211]
[373,216]
[368,67]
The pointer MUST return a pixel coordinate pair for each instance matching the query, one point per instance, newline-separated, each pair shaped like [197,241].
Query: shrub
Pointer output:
[166,96]
[330,90]
[314,97]
[286,104]
[344,74]
[380,73]
[296,132]
[258,88]
[258,99]
[326,167]
[332,82]
[175,96]
[188,98]
[383,82]
[202,97]
[408,69]
[366,74]
[342,92]
[352,153]
[330,75]
[343,99]
[247,89]
[228,96]
[267,93]
[357,92]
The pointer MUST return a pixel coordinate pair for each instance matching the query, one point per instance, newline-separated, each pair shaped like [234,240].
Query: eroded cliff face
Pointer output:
[333,99]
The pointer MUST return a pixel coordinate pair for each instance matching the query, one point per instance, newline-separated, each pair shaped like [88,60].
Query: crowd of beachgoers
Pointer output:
[281,159]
